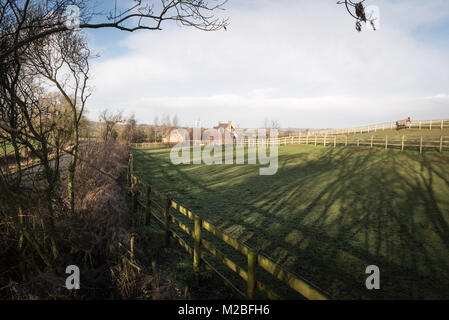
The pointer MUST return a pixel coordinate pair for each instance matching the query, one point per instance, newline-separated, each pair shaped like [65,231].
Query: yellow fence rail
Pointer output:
[254,258]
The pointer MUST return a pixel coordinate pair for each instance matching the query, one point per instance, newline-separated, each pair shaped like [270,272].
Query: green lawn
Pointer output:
[328,213]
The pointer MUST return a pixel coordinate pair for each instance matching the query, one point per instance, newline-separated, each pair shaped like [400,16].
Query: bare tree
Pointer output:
[156,127]
[166,124]
[109,122]
[31,117]
[132,132]
[175,121]
[271,124]
[129,130]
[62,59]
[60,118]
[266,123]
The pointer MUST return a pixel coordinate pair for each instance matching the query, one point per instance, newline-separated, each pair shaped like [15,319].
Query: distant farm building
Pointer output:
[225,128]
[174,136]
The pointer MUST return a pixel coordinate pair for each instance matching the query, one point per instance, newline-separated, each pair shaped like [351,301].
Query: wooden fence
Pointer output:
[417,143]
[162,215]
[419,124]
[146,144]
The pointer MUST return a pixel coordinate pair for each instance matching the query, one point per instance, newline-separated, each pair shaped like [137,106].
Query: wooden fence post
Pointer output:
[346,141]
[307,139]
[419,125]
[430,125]
[386,142]
[134,193]
[402,145]
[441,144]
[372,137]
[197,245]
[167,222]
[129,173]
[335,141]
[315,140]
[420,145]
[131,247]
[442,124]
[148,205]
[252,263]
[325,140]
[358,141]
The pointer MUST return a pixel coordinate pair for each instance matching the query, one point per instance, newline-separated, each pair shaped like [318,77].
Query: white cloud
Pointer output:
[440,96]
[299,62]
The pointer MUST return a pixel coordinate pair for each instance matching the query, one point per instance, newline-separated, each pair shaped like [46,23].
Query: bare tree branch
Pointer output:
[24,22]
[357,11]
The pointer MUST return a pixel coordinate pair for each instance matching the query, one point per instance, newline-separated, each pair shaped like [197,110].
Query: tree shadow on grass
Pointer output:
[367,209]
[329,213]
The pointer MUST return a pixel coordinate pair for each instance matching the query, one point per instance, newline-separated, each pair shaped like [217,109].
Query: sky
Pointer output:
[299,62]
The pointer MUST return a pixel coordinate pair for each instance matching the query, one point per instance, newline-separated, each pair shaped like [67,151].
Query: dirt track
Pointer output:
[34,170]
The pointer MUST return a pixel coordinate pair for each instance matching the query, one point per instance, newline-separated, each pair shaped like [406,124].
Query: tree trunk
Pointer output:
[17,157]
[72,169]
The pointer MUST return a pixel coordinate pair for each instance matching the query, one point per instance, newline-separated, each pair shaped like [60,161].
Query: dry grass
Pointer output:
[116,255]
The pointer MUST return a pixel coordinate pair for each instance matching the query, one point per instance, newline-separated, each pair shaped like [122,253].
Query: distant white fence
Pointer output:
[419,124]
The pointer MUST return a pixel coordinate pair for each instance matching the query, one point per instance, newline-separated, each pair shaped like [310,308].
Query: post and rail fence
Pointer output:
[161,214]
[419,124]
[403,143]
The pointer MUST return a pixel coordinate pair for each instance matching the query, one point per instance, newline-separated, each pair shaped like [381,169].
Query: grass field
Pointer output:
[328,213]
